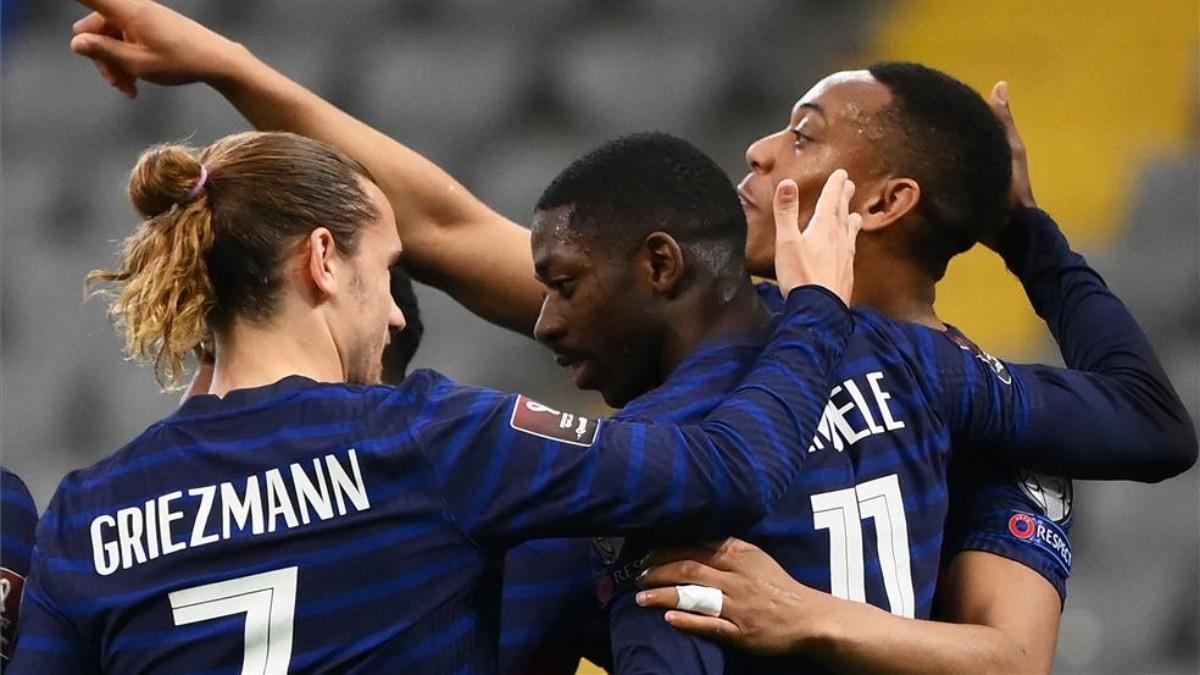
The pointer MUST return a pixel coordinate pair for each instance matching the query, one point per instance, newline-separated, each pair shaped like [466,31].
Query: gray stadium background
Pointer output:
[504,95]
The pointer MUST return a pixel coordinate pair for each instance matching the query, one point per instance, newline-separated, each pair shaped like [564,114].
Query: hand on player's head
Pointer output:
[131,40]
[823,254]
[1021,193]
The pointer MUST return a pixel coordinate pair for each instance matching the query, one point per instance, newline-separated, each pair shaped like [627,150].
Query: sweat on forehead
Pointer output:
[555,223]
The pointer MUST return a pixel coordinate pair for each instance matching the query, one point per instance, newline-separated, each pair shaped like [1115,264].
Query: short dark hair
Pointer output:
[648,182]
[947,138]
[403,346]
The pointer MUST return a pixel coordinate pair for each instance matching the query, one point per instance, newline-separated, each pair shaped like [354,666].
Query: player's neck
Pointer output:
[251,356]
[898,291]
[710,317]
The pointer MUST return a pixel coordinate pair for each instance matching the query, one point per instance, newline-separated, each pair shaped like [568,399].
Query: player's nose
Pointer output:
[550,326]
[758,155]
[396,319]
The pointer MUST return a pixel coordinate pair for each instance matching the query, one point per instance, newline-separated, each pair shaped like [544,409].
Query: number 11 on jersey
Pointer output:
[842,512]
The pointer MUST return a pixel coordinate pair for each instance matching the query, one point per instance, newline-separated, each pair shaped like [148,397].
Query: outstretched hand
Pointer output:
[131,40]
[823,254]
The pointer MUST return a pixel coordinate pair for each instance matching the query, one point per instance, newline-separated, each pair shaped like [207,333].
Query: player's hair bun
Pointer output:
[165,175]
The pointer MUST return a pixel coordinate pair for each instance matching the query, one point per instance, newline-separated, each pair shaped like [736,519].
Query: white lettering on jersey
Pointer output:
[848,408]
[137,534]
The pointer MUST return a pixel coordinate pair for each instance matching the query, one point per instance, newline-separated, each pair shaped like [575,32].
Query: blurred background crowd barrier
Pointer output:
[505,94]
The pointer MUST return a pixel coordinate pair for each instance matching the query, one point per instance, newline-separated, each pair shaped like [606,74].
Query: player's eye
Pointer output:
[800,137]
[564,286]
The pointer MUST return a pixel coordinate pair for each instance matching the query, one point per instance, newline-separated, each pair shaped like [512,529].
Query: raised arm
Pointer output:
[452,240]
[1114,413]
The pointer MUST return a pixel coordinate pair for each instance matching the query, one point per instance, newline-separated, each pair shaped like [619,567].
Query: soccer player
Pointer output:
[18,518]
[453,228]
[299,495]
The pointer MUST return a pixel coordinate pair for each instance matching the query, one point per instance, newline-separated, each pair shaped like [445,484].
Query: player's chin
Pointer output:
[586,376]
[616,394]
[760,260]
[760,250]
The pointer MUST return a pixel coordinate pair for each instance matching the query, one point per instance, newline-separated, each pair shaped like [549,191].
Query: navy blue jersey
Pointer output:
[865,519]
[307,527]
[556,590]
[549,616]
[18,519]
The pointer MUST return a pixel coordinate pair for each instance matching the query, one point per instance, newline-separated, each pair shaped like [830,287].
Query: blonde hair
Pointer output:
[194,266]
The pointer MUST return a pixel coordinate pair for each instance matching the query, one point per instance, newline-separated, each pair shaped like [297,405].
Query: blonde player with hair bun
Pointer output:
[217,222]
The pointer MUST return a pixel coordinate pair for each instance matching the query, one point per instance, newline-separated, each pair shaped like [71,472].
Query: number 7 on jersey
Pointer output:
[269,602]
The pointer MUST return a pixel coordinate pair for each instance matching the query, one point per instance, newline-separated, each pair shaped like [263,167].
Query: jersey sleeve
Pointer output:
[644,644]
[1111,414]
[18,519]
[511,469]
[47,639]
[1114,415]
[1013,513]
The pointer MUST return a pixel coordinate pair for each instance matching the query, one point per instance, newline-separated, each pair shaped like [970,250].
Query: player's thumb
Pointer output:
[787,210]
[104,48]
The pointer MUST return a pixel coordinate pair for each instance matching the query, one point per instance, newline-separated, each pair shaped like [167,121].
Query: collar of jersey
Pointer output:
[238,399]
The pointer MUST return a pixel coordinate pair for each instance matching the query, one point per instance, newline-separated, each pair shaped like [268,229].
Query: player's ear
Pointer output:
[888,202]
[663,262]
[321,261]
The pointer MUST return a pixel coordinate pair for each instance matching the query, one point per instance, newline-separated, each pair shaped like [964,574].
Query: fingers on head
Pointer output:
[854,225]
[786,200]
[831,194]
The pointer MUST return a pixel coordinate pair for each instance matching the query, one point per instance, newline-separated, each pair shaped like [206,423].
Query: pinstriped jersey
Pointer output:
[18,518]
[552,611]
[308,527]
[865,519]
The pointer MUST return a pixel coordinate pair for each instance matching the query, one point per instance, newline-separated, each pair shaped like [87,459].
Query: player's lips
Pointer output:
[744,194]
[580,371]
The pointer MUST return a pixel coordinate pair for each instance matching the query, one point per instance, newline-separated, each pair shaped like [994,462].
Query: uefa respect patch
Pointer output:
[1038,530]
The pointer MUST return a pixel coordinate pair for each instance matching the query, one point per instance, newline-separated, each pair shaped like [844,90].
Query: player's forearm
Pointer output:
[787,389]
[860,638]
[704,480]
[452,240]
[1150,435]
